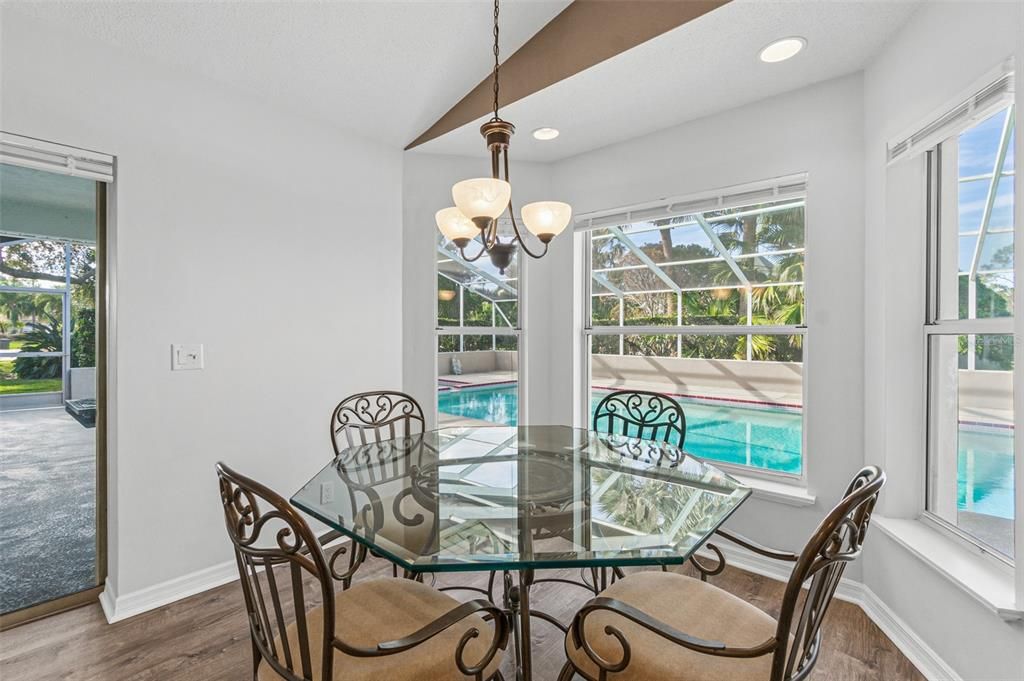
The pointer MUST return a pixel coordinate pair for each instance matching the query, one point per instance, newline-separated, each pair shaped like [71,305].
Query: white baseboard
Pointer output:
[927,661]
[910,644]
[119,607]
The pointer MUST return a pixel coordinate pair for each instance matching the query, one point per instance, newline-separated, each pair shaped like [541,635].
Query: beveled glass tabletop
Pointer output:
[505,498]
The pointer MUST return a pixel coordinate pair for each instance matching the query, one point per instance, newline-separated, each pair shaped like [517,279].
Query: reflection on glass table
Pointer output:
[504,498]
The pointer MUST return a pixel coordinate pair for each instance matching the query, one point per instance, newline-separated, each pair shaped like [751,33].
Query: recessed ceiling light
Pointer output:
[781,50]
[545,133]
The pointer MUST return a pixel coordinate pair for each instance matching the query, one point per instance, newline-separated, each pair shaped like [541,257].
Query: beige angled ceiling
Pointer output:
[586,33]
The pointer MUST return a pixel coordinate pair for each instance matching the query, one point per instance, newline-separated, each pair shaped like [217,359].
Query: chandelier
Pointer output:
[481,202]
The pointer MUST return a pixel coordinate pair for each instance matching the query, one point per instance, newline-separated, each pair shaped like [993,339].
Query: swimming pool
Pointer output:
[985,471]
[763,438]
[771,438]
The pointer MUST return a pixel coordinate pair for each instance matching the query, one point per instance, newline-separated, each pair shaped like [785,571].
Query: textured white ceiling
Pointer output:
[385,70]
[706,66]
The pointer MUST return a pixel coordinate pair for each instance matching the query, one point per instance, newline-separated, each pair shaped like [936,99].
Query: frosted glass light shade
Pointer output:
[455,226]
[546,219]
[482,197]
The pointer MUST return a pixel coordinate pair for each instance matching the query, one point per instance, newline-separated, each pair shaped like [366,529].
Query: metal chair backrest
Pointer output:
[275,551]
[369,417]
[836,543]
[641,414]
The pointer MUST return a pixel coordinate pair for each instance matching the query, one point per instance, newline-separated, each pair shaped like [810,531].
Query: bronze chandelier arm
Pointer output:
[716,648]
[489,238]
[441,624]
[757,548]
[515,227]
[462,252]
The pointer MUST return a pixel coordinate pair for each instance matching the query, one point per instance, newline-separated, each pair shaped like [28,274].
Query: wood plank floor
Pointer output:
[204,638]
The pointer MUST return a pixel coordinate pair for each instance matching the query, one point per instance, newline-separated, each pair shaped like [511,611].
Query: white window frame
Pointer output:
[939,187]
[518,332]
[774,190]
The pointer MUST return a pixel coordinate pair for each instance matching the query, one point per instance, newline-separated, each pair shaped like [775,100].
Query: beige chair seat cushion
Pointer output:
[687,605]
[380,610]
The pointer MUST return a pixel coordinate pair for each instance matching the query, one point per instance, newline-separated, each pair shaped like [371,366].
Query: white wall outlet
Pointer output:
[186,357]
[326,492]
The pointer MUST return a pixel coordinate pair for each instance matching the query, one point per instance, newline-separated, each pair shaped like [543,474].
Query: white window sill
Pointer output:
[780,492]
[977,576]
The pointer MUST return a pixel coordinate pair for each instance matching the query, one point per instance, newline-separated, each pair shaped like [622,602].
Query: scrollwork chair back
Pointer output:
[267,533]
[641,414]
[836,543]
[368,417]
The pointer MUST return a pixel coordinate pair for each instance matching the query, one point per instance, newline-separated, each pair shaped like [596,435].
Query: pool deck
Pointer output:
[994,531]
[47,506]
[451,421]
[478,379]
[969,414]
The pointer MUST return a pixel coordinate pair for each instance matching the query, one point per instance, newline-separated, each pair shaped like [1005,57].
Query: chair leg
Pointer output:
[568,671]
[257,657]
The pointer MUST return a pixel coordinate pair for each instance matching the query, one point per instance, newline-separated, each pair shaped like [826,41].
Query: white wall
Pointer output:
[817,130]
[238,225]
[941,51]
[426,188]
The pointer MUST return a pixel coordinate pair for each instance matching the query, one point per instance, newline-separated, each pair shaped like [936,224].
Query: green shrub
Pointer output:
[83,338]
[42,338]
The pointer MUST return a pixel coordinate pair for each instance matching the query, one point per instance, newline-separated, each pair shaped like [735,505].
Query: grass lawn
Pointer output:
[11,384]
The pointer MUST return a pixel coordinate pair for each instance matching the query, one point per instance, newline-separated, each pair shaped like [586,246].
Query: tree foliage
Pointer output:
[767,238]
[35,318]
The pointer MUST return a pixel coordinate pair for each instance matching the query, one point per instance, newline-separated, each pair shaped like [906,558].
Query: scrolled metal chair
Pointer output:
[655,625]
[369,417]
[379,629]
[641,414]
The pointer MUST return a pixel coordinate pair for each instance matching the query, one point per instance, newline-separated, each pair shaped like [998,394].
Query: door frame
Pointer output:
[103,301]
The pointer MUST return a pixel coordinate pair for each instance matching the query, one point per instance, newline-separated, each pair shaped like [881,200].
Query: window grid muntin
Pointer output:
[591,280]
[938,324]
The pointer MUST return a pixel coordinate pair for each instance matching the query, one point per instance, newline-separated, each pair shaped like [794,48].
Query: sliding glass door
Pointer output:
[51,466]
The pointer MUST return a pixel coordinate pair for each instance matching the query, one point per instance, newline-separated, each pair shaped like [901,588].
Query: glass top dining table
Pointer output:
[532,497]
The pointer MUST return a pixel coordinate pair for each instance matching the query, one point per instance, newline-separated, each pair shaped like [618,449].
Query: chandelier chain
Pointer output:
[496,63]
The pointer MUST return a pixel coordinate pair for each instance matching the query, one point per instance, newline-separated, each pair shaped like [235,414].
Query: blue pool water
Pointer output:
[985,471]
[771,438]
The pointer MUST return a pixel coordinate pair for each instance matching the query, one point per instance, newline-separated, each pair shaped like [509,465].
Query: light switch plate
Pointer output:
[186,357]
[326,492]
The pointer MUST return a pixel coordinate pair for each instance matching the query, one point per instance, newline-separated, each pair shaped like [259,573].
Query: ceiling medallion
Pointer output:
[480,202]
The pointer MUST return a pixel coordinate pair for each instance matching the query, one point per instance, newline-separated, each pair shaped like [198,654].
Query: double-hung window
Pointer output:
[969,332]
[702,299]
[478,340]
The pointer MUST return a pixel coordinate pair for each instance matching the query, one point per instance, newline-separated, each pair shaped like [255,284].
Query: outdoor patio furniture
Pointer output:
[83,411]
